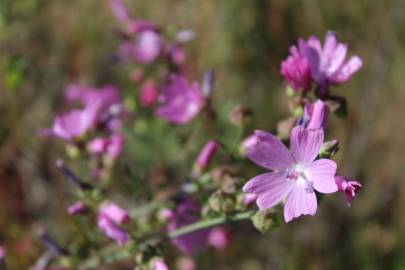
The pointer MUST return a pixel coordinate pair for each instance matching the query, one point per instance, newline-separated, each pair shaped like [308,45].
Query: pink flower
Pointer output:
[159,264]
[327,63]
[77,208]
[315,114]
[74,124]
[206,154]
[148,94]
[296,71]
[295,174]
[114,213]
[350,188]
[186,213]
[2,254]
[148,46]
[218,238]
[111,229]
[181,101]
[112,146]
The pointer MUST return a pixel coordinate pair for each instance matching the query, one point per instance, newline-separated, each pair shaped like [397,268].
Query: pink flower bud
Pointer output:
[218,238]
[77,208]
[148,94]
[112,230]
[249,198]
[350,188]
[206,154]
[115,213]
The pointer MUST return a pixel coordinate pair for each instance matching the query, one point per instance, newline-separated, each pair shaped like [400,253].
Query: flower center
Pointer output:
[299,176]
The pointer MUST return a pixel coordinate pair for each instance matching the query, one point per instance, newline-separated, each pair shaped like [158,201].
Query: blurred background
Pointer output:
[46,44]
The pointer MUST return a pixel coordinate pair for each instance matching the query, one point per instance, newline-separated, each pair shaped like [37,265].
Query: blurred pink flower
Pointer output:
[186,213]
[180,100]
[349,188]
[218,238]
[111,146]
[315,114]
[114,213]
[111,229]
[248,143]
[249,198]
[148,94]
[295,174]
[327,63]
[296,70]
[74,124]
[147,47]
[120,10]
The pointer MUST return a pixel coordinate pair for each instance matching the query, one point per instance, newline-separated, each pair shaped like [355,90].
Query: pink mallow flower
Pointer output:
[349,188]
[181,101]
[148,94]
[296,70]
[74,124]
[327,63]
[295,174]
[206,155]
[315,114]
[112,146]
[186,213]
[218,238]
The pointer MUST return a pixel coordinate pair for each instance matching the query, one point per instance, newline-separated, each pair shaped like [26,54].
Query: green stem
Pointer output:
[106,257]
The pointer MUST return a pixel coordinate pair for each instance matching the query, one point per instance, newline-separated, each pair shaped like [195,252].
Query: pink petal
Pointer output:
[346,72]
[300,201]
[313,56]
[270,188]
[305,144]
[330,44]
[337,58]
[322,173]
[269,152]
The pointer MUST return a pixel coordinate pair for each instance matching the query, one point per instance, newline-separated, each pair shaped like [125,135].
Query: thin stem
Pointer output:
[94,262]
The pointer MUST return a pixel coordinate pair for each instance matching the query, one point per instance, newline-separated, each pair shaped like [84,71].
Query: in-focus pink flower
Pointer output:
[148,94]
[159,264]
[112,146]
[77,208]
[186,213]
[327,63]
[111,229]
[206,154]
[295,174]
[296,70]
[315,114]
[349,188]
[181,101]
[218,238]
[115,213]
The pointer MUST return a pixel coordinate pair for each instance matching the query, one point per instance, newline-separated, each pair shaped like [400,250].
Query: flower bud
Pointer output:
[207,83]
[77,208]
[206,155]
[240,115]
[350,188]
[112,230]
[247,143]
[296,71]
[148,94]
[115,213]
[159,264]
[218,238]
